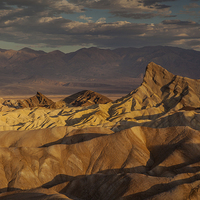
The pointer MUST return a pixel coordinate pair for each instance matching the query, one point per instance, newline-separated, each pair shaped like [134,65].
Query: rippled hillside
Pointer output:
[145,145]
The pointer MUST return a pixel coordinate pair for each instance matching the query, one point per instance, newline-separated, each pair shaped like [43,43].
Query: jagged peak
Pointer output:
[39,94]
[38,100]
[157,74]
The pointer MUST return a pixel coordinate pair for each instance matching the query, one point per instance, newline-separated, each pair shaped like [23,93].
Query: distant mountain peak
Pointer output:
[26,49]
[118,68]
[29,50]
[56,52]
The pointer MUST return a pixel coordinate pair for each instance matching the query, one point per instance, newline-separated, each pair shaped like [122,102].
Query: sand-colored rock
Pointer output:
[162,91]
[39,100]
[83,98]
[163,100]
[136,163]
[9,105]
[145,145]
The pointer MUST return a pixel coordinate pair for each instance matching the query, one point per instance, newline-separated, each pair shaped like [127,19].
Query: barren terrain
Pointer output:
[144,145]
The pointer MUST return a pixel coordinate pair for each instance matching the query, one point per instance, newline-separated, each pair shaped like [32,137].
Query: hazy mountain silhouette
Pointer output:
[121,69]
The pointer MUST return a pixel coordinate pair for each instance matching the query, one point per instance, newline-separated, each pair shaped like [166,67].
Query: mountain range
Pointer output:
[107,71]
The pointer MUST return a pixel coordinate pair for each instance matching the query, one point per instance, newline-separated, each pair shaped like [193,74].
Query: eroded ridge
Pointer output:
[145,145]
[136,163]
[162,100]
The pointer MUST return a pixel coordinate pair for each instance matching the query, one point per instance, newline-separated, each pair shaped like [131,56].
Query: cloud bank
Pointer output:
[40,22]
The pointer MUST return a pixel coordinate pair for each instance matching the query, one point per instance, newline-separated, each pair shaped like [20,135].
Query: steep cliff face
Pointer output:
[172,91]
[159,93]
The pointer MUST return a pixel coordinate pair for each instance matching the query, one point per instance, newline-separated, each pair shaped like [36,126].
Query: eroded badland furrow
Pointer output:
[145,145]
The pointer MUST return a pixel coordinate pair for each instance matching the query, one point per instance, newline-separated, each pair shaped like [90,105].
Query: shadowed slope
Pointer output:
[163,100]
[161,88]
[160,93]
[161,162]
[39,100]
[145,145]
[85,98]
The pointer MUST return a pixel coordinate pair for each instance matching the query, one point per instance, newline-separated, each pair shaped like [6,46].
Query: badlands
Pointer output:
[145,145]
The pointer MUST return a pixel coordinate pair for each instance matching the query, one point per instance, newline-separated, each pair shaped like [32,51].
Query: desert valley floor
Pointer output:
[144,145]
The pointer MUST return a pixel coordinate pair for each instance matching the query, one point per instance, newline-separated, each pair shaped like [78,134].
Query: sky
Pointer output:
[68,25]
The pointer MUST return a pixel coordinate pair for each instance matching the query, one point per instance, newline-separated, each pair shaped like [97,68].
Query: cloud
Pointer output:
[191,43]
[88,19]
[40,23]
[56,31]
[153,2]
[101,20]
[179,22]
[136,9]
[53,6]
[191,6]
[191,9]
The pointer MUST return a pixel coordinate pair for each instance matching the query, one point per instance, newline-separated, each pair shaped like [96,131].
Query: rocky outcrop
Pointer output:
[160,93]
[142,146]
[84,98]
[162,100]
[39,100]
[162,88]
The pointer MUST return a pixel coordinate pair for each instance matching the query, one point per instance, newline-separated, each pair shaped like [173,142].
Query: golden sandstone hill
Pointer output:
[145,145]
[85,98]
